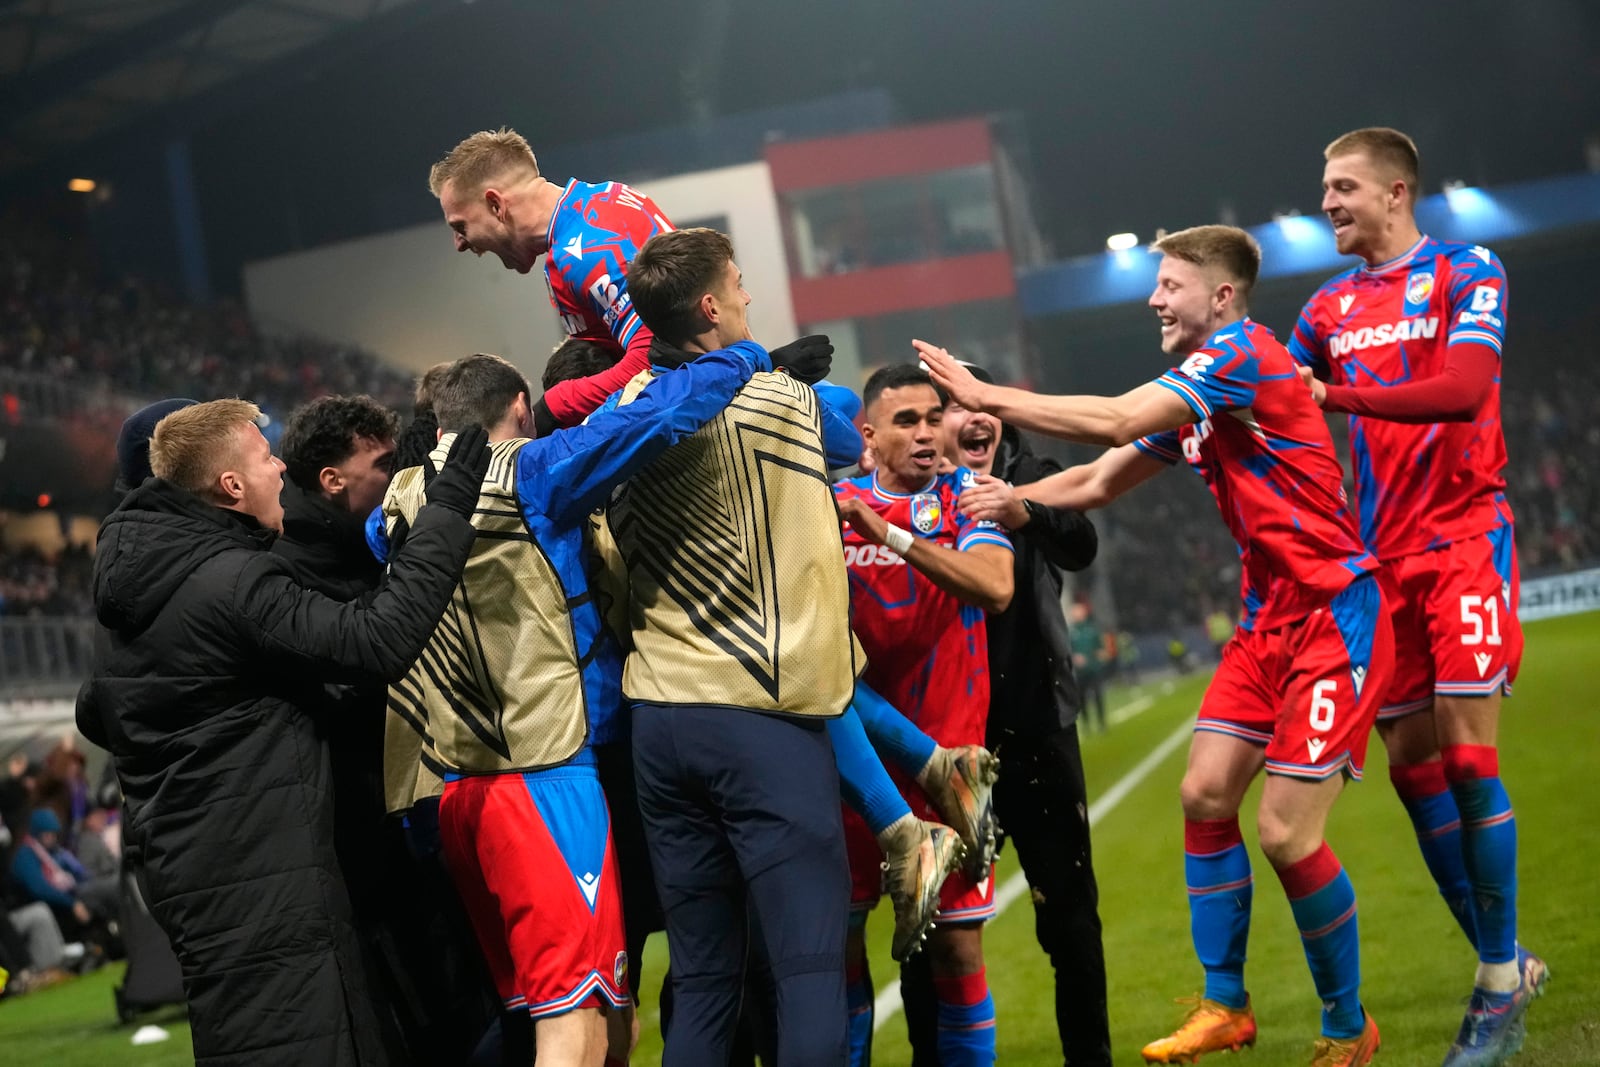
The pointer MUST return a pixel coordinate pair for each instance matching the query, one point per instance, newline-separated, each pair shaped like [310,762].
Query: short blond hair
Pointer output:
[481,158]
[192,447]
[1389,149]
[1228,247]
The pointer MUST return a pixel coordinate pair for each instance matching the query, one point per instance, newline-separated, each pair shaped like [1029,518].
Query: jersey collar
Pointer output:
[555,213]
[1227,332]
[1403,259]
[883,494]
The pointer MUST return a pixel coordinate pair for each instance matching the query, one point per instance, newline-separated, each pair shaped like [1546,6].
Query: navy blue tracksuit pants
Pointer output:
[742,819]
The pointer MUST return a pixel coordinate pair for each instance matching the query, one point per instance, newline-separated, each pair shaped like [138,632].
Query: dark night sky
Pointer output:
[1139,114]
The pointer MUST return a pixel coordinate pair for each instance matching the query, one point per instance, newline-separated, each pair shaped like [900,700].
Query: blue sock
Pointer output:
[1425,792]
[858,998]
[1489,843]
[966,1021]
[896,735]
[863,782]
[1324,906]
[1216,868]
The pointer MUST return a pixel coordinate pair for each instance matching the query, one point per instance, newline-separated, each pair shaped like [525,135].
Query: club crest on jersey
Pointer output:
[1419,287]
[619,971]
[926,512]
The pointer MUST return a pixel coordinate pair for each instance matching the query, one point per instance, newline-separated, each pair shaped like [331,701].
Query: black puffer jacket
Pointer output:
[215,652]
[327,546]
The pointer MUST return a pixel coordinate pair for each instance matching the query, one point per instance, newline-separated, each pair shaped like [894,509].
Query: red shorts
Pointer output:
[532,858]
[960,899]
[1456,631]
[1309,691]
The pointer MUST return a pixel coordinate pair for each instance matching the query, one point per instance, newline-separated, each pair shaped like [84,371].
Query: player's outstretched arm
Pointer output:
[568,474]
[289,624]
[1066,535]
[570,402]
[1090,420]
[1094,485]
[980,575]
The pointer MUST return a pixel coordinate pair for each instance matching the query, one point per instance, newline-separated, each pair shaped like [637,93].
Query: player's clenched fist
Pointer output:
[863,520]
[990,499]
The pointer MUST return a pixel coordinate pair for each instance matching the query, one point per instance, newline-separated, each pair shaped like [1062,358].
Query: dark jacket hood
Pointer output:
[1010,452]
[150,545]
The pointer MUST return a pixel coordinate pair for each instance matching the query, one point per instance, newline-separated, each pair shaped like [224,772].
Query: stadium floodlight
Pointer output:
[1121,242]
[81,185]
[1295,227]
[1465,199]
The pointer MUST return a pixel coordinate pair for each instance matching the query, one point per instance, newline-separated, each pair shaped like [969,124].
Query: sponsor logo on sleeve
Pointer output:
[611,297]
[1196,365]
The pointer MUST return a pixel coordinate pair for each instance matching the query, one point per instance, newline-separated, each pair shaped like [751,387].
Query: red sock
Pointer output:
[965,989]
[1205,837]
[1464,762]
[1304,877]
[1413,781]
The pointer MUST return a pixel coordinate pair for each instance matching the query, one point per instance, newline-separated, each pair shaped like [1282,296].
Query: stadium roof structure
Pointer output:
[76,72]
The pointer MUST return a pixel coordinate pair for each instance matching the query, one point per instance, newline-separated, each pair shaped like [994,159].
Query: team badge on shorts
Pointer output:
[619,971]
[1419,288]
[926,512]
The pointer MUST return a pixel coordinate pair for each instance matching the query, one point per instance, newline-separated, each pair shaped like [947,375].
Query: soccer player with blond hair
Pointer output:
[495,200]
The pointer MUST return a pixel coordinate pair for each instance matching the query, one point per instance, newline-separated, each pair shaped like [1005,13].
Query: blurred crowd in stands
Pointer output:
[126,341]
[1552,436]
[32,583]
[60,852]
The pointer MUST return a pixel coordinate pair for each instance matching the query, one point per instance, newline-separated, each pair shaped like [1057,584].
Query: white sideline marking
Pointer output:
[888,1003]
[1118,716]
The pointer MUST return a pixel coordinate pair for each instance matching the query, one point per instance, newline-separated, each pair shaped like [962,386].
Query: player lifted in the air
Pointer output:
[1298,687]
[495,200]
[1409,344]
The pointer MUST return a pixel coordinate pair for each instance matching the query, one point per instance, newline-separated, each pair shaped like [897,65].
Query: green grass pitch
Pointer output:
[1416,967]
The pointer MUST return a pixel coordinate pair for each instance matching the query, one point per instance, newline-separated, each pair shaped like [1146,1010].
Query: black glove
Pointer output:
[806,360]
[460,480]
[416,441]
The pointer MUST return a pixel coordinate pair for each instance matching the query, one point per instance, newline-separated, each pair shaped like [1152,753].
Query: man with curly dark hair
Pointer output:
[340,449]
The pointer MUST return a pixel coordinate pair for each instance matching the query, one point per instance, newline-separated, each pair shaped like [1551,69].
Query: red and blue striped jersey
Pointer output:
[927,652]
[1263,447]
[1418,486]
[595,231]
